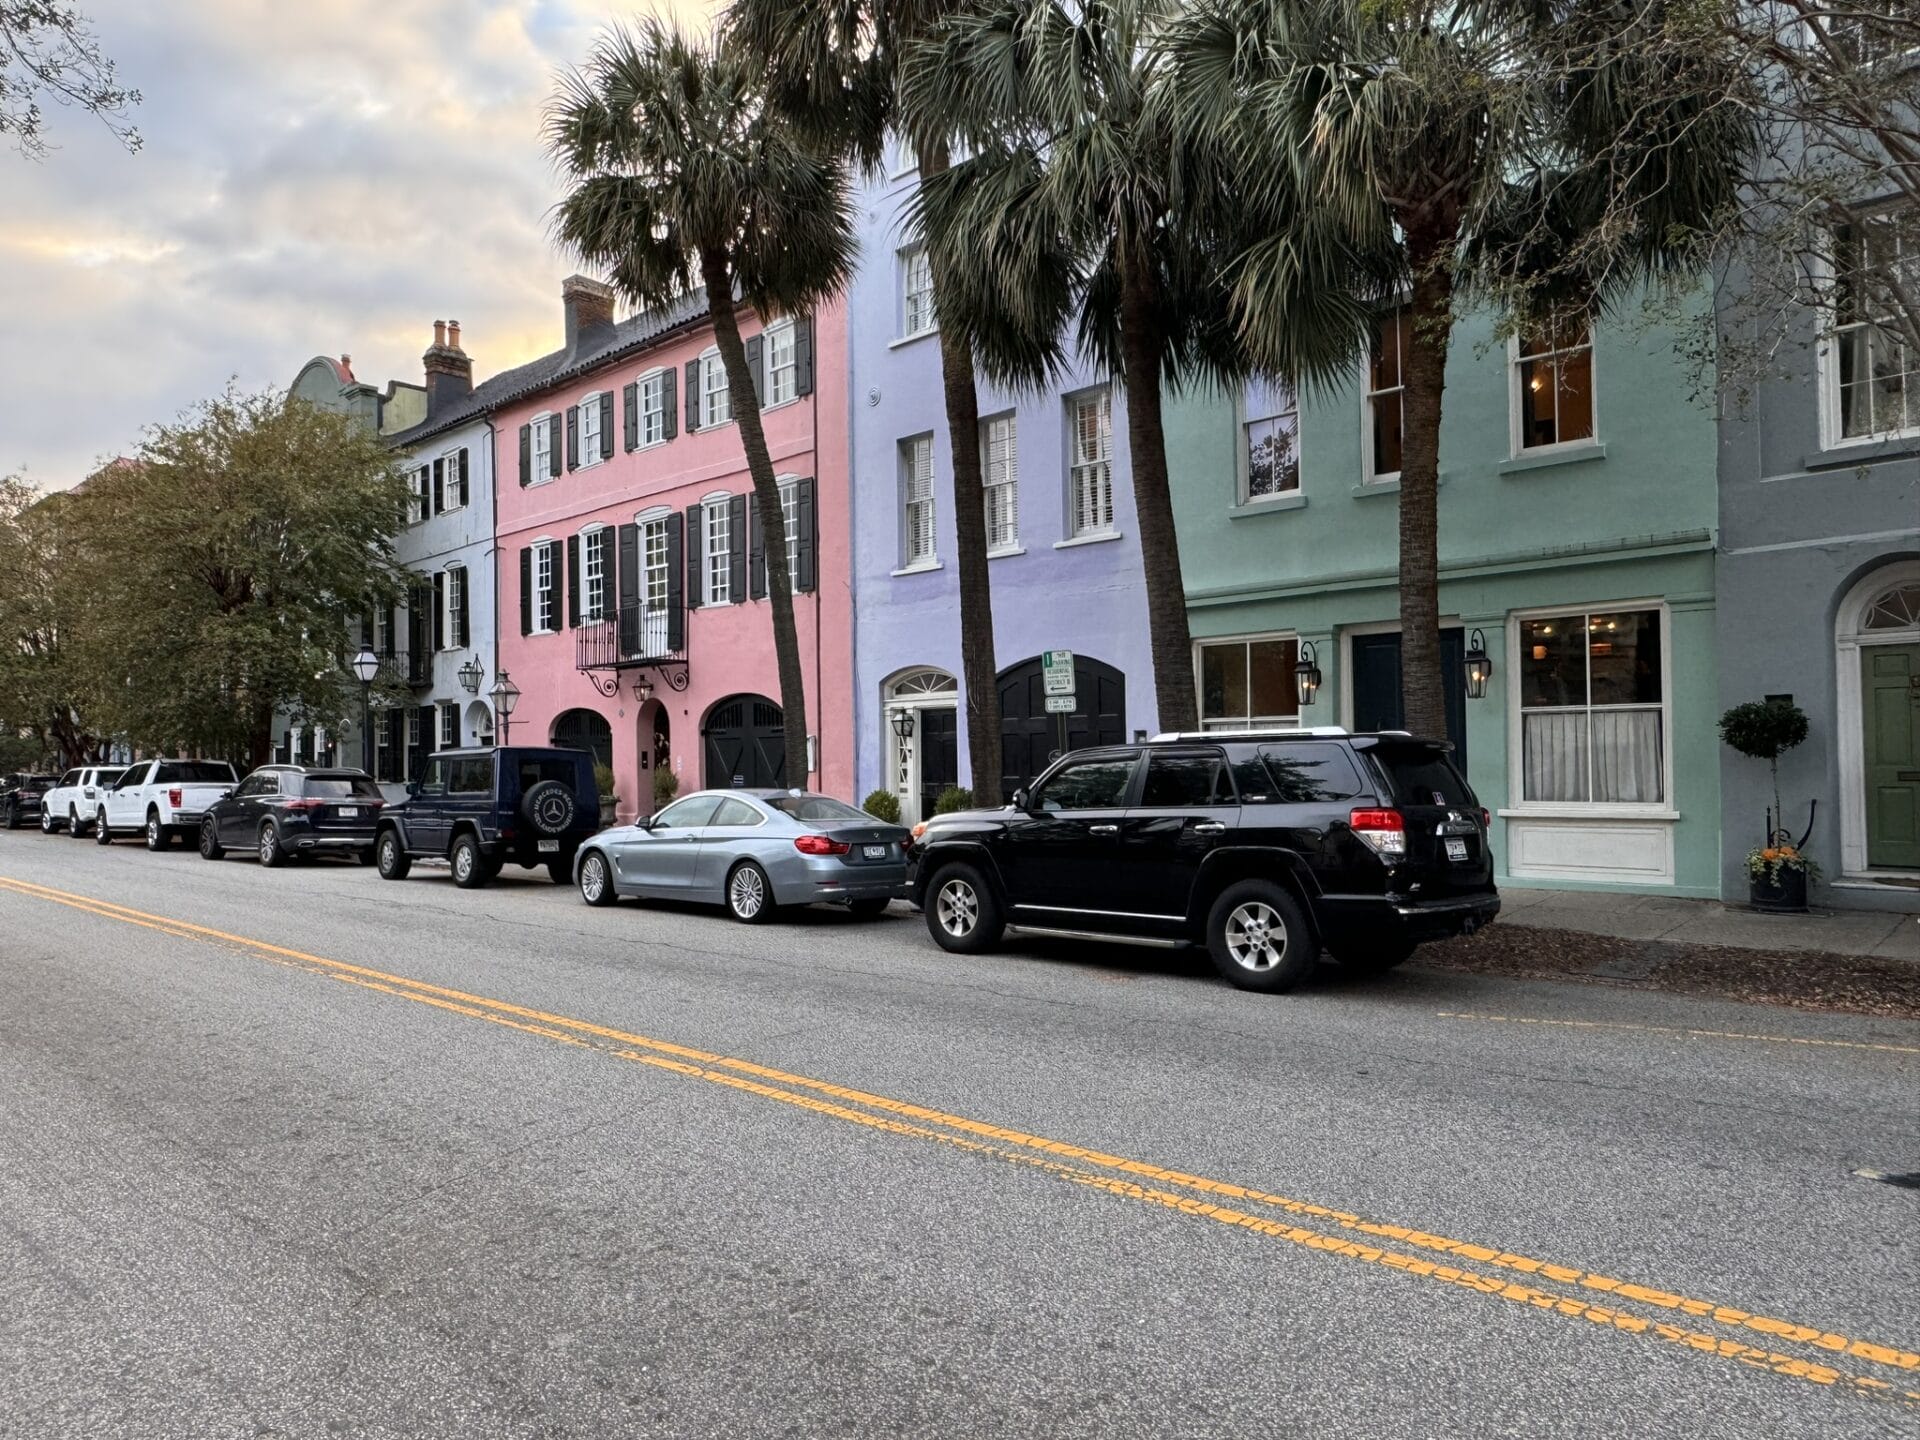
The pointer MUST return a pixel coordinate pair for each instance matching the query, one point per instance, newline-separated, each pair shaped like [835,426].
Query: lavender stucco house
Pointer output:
[1065,551]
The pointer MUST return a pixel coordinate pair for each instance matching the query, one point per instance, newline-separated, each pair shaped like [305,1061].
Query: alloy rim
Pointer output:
[463,862]
[1256,936]
[153,833]
[389,852]
[958,908]
[748,893]
[593,879]
[46,823]
[206,838]
[267,845]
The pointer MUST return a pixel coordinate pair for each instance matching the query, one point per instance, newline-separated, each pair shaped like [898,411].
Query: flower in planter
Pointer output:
[1766,863]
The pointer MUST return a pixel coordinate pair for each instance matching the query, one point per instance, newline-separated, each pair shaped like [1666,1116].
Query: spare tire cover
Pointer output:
[548,807]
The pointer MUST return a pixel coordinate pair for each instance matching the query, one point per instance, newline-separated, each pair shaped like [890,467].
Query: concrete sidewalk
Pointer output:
[1710,922]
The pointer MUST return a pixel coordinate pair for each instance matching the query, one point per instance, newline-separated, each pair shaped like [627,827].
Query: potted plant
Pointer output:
[666,785]
[603,782]
[1778,869]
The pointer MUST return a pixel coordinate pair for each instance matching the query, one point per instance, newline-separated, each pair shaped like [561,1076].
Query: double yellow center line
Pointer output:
[1743,1337]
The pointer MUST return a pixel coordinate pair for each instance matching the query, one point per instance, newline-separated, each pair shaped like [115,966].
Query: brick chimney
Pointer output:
[449,370]
[589,310]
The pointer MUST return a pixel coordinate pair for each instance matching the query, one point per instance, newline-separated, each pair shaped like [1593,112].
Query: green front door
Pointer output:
[1890,677]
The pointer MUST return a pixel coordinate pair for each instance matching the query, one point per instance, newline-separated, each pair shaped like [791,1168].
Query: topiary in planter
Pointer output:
[1765,730]
[883,805]
[954,797]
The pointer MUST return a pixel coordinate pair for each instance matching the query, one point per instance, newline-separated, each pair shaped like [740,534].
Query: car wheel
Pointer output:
[102,832]
[390,857]
[270,852]
[13,816]
[158,836]
[469,866]
[596,879]
[1374,957]
[210,846]
[47,822]
[963,915]
[871,906]
[749,894]
[1260,938]
[74,826]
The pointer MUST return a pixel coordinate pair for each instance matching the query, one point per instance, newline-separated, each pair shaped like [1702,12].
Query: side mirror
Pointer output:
[1023,800]
[226,794]
[413,788]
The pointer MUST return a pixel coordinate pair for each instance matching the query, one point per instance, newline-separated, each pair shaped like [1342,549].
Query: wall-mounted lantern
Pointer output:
[1306,674]
[1479,666]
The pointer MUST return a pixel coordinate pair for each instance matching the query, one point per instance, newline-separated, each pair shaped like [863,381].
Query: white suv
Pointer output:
[71,804]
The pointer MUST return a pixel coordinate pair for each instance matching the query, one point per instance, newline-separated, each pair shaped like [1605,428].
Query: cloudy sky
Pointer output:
[328,177]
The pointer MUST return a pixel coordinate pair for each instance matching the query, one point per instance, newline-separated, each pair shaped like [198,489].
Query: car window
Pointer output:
[436,781]
[816,807]
[133,778]
[736,813]
[1178,782]
[195,772]
[107,778]
[1096,783]
[470,775]
[1421,776]
[340,787]
[1301,774]
[532,772]
[72,777]
[692,811]
[248,786]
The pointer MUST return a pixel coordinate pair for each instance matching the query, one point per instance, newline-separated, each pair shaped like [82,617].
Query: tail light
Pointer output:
[1486,818]
[820,845]
[301,807]
[1385,832]
[173,797]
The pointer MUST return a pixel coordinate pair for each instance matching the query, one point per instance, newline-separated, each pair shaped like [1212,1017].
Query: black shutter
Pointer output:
[573,580]
[693,396]
[803,356]
[557,558]
[676,607]
[806,566]
[756,366]
[669,406]
[429,740]
[737,548]
[461,629]
[630,407]
[439,610]
[629,590]
[554,452]
[606,424]
[439,486]
[526,589]
[696,554]
[573,437]
[526,454]
[463,474]
[756,551]
[387,650]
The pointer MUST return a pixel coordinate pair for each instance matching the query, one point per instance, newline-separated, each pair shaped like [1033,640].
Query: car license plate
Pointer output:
[1456,850]
[349,812]
[549,847]
[874,852]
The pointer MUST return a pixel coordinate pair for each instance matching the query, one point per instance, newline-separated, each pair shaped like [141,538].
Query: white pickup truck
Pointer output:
[161,799]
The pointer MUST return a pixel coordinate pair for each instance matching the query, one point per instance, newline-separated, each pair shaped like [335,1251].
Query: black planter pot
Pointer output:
[1787,893]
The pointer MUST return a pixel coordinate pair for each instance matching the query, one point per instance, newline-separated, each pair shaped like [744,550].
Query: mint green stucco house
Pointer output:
[1577,515]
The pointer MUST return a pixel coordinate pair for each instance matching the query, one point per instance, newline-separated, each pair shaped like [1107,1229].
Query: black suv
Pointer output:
[20,797]
[1265,846]
[482,809]
[283,810]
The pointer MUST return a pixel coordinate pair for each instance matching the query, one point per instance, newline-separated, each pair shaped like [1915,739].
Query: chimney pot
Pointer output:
[439,332]
[453,334]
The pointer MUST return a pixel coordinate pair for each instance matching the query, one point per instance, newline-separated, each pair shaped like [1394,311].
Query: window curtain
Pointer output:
[1555,745]
[1626,746]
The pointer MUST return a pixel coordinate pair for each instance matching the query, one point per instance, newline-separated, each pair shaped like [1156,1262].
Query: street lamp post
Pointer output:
[505,695]
[365,666]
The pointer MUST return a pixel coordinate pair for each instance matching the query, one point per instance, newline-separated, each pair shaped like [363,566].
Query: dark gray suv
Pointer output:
[481,810]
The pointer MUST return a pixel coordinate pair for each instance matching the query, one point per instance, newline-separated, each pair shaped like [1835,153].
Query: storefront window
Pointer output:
[1592,708]
[1244,683]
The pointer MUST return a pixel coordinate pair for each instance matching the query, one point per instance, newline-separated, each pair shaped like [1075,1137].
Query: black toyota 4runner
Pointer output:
[1268,847]
[484,809]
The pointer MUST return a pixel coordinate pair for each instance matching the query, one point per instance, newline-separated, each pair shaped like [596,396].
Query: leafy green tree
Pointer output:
[680,177]
[831,69]
[227,567]
[1546,160]
[48,52]
[43,612]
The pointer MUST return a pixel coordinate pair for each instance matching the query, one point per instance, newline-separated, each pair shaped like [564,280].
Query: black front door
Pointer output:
[1376,686]
[745,745]
[939,756]
[1030,738]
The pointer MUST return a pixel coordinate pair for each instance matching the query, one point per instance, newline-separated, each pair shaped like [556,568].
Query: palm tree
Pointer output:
[1545,160]
[831,71]
[679,178]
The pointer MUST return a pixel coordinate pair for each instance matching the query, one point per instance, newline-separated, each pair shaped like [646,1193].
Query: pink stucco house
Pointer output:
[632,581]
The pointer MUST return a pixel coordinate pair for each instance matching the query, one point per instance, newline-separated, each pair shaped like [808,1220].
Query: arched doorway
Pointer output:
[479,722]
[1029,737]
[927,761]
[744,740]
[653,742]
[1878,644]
[585,730]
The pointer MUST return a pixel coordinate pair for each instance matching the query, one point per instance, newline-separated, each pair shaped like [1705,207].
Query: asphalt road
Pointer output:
[306,1153]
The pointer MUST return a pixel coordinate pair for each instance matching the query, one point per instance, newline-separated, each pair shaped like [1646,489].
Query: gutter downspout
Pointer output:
[493,551]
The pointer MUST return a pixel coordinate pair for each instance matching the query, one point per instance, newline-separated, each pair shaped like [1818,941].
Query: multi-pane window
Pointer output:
[716,542]
[790,518]
[1248,683]
[382,630]
[545,601]
[1000,480]
[590,430]
[1271,435]
[413,729]
[916,488]
[782,361]
[455,590]
[1591,712]
[1386,392]
[1553,386]
[542,448]
[593,576]
[916,291]
[422,496]
[653,586]
[653,408]
[716,404]
[449,725]
[1090,473]
[1876,369]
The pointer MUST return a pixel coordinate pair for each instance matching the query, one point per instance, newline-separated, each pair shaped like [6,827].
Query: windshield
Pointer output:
[816,808]
[339,787]
[194,772]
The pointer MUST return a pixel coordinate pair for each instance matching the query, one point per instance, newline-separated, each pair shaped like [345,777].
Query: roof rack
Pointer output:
[1261,731]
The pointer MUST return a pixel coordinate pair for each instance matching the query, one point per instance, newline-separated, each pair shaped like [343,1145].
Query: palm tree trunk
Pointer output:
[766,493]
[979,668]
[1422,688]
[1143,347]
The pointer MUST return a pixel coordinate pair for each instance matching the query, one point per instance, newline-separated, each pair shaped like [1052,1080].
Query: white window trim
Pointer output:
[711,357]
[450,480]
[658,378]
[1071,516]
[1369,480]
[1278,722]
[911,564]
[723,501]
[447,608]
[1516,426]
[1517,805]
[1242,468]
[549,542]
[589,457]
[789,488]
[589,533]
[540,472]
[447,710]
[420,499]
[1827,358]
[987,422]
[785,326]
[1850,638]
[903,261]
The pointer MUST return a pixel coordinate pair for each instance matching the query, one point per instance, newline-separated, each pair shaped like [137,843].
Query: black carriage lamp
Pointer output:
[643,690]
[1306,674]
[1479,666]
[903,724]
[471,674]
[505,695]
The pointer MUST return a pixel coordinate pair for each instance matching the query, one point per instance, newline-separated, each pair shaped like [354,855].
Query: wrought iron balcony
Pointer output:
[632,638]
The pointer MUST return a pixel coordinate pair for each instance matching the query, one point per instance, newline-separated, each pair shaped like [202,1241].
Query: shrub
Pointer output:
[603,778]
[954,797]
[883,805]
[666,785]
